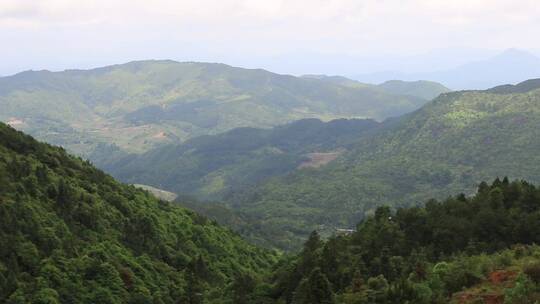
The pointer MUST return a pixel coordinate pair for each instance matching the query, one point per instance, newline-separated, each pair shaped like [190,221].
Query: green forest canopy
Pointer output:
[448,146]
[142,104]
[69,233]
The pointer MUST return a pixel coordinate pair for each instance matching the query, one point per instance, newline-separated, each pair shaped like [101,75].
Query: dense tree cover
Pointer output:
[423,254]
[210,167]
[69,233]
[447,147]
[142,104]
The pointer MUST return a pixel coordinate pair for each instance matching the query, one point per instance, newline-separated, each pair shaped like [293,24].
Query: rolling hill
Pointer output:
[421,89]
[211,167]
[69,233]
[139,105]
[448,146]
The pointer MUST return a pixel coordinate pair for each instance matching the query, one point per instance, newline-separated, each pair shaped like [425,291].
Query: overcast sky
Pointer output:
[59,34]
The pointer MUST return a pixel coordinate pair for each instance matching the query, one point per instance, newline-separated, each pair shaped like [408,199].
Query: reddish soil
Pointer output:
[317,160]
[502,276]
[499,280]
[488,298]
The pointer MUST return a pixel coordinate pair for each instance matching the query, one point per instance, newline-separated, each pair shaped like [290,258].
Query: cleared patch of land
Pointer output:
[319,159]
[159,193]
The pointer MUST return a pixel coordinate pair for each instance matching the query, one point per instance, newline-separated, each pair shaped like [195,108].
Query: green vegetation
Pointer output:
[139,105]
[448,146]
[211,167]
[69,233]
[422,89]
[455,251]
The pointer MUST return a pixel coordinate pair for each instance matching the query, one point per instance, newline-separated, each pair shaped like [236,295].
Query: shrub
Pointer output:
[533,272]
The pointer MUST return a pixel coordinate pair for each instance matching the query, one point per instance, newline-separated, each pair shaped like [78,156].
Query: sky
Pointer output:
[289,36]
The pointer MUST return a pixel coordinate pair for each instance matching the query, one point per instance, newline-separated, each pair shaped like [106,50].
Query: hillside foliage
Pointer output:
[140,105]
[449,146]
[211,167]
[69,233]
[439,253]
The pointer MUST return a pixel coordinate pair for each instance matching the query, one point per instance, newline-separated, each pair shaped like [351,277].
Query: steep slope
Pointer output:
[211,167]
[142,104]
[421,88]
[447,147]
[71,234]
[478,249]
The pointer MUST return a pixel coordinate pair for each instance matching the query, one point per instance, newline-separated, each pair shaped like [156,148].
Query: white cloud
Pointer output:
[142,28]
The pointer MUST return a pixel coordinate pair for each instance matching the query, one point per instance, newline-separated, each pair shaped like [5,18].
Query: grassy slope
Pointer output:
[446,147]
[142,104]
[70,233]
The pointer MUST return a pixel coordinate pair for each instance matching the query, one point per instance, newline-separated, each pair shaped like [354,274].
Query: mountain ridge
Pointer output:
[509,66]
[143,104]
[447,146]
[70,233]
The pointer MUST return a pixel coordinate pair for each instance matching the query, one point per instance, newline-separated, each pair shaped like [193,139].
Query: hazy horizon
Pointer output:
[291,37]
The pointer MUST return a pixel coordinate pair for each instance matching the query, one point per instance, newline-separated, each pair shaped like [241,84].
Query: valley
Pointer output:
[348,167]
[269,152]
[79,234]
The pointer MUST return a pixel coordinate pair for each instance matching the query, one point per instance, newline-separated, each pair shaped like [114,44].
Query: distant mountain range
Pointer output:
[140,105]
[448,146]
[70,233]
[511,66]
[350,167]
[420,88]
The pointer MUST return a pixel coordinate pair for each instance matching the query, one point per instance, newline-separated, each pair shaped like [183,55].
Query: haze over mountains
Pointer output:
[279,157]
[448,146]
[510,66]
[292,178]
[270,152]
[139,105]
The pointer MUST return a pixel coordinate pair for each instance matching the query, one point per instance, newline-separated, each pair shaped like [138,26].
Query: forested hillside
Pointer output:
[211,167]
[447,147]
[451,251]
[139,105]
[69,233]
